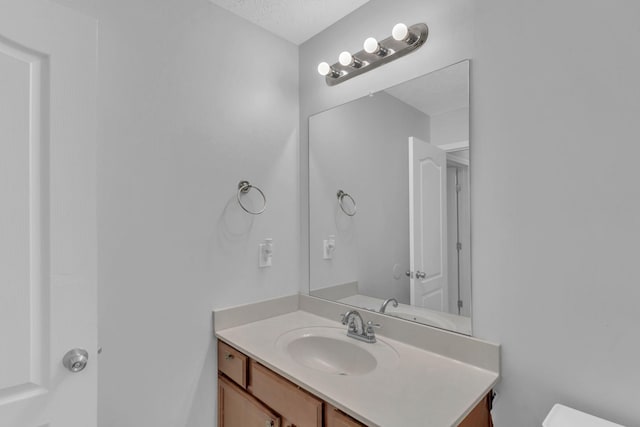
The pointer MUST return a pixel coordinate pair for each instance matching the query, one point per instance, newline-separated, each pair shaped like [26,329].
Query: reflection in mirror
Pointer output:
[399,228]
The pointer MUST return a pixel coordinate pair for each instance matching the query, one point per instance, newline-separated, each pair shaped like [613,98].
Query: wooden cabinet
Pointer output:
[333,417]
[297,407]
[237,408]
[232,363]
[251,395]
[480,416]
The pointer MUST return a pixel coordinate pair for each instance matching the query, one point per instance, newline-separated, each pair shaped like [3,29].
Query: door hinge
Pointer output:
[459,246]
[460,303]
[458,188]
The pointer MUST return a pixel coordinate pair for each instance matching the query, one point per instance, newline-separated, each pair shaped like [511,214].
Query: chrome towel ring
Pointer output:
[243,188]
[341,195]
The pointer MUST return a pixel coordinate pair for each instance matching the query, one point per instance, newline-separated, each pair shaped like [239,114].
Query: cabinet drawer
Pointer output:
[333,417]
[299,407]
[232,363]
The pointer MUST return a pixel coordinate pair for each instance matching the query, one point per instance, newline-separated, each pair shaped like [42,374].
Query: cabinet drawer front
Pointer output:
[296,405]
[336,418]
[237,408]
[232,363]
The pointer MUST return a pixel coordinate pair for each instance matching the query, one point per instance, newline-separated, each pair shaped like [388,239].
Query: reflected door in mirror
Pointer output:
[428,224]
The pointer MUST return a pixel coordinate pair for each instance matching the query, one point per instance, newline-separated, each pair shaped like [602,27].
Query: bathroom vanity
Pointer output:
[250,394]
[296,368]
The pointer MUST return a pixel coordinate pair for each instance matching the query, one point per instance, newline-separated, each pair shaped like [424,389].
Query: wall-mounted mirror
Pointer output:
[389,201]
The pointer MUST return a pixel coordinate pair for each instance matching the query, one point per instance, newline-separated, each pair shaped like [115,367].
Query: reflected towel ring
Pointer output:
[243,188]
[341,195]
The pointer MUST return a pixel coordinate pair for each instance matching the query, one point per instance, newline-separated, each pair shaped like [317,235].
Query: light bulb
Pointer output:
[371,45]
[324,68]
[400,32]
[345,58]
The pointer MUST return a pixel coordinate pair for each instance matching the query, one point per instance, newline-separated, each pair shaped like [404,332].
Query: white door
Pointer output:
[47,214]
[453,263]
[428,224]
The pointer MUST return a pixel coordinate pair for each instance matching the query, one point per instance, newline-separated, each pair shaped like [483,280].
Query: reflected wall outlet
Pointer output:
[328,246]
[265,253]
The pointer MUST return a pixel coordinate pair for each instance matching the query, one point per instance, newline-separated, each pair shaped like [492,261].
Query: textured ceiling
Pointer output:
[293,20]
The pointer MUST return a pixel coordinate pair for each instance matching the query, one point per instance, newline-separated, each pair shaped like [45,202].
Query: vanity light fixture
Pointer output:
[403,40]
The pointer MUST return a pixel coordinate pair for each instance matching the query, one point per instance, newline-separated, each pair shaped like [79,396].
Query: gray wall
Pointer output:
[363,150]
[450,126]
[555,216]
[192,99]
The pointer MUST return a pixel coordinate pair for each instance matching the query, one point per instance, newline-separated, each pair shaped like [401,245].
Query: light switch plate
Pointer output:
[265,256]
[326,252]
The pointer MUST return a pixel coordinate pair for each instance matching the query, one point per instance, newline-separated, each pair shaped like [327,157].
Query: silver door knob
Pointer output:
[409,274]
[75,360]
[420,274]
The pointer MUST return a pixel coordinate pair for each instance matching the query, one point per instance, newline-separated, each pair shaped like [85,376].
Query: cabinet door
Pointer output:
[480,416]
[300,408]
[237,408]
[333,417]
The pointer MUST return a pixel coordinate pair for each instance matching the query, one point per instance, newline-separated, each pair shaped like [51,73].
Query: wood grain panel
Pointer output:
[333,417]
[237,408]
[300,408]
[480,416]
[232,363]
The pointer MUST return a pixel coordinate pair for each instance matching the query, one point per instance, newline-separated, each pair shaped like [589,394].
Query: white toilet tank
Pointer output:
[563,416]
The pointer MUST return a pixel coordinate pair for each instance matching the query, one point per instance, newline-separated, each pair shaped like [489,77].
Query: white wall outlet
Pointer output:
[328,246]
[265,253]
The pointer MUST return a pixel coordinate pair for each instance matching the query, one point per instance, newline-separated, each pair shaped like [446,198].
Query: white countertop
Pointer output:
[423,389]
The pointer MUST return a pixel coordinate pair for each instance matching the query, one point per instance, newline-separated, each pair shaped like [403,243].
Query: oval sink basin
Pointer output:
[329,350]
[331,355]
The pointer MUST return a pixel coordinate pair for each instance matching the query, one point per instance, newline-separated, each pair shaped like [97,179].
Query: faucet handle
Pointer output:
[370,325]
[343,318]
[369,332]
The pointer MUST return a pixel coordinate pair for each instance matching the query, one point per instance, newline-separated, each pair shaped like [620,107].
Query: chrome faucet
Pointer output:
[354,320]
[383,308]
[357,329]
